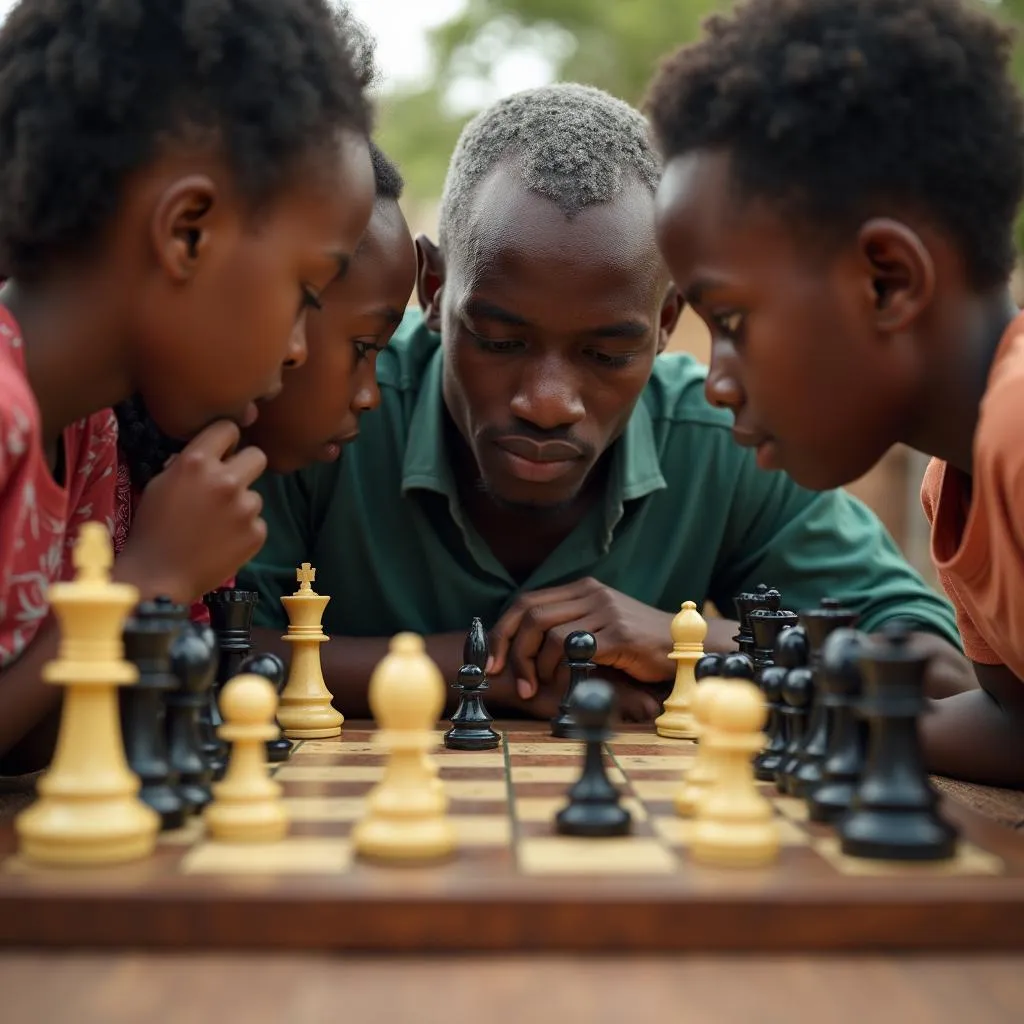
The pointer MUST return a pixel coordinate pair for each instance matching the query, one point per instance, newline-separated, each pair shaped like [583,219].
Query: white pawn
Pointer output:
[736,825]
[704,769]
[247,805]
[405,818]
[688,632]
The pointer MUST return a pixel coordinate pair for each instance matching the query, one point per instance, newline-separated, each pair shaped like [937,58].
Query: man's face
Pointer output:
[550,332]
[795,353]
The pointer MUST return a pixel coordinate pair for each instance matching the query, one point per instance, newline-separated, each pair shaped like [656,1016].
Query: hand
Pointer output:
[198,521]
[529,638]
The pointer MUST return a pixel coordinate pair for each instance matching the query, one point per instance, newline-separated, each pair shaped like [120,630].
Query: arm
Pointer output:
[976,736]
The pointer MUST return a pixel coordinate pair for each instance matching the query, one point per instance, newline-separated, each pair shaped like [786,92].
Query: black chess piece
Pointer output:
[272,668]
[745,604]
[840,684]
[593,808]
[193,662]
[790,652]
[148,635]
[231,613]
[471,724]
[580,648]
[797,697]
[214,749]
[895,815]
[819,623]
[736,666]
[767,623]
[707,666]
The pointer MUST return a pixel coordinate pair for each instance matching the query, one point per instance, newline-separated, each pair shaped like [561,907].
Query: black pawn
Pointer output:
[790,652]
[271,668]
[707,667]
[840,686]
[593,808]
[745,604]
[580,648]
[736,666]
[475,650]
[797,695]
[214,749]
[148,635]
[819,623]
[767,623]
[895,814]
[471,724]
[193,662]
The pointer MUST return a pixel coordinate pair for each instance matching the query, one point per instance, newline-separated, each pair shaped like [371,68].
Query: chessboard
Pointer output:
[513,883]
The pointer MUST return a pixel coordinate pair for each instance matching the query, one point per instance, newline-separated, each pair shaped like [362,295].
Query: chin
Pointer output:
[532,503]
[828,474]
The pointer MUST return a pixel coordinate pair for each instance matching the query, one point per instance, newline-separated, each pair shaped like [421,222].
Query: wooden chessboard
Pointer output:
[514,884]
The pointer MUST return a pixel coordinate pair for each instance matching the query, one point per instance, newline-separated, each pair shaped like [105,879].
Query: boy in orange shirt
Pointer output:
[179,181]
[838,206]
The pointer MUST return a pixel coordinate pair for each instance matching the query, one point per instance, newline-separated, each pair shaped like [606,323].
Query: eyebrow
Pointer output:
[343,260]
[626,329]
[390,314]
[488,311]
[695,293]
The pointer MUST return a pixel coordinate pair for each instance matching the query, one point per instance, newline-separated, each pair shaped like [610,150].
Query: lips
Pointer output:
[540,451]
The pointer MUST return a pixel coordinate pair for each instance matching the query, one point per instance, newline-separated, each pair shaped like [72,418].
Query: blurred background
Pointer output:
[440,61]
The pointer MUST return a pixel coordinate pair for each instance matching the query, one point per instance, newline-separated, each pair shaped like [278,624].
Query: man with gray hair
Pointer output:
[536,462]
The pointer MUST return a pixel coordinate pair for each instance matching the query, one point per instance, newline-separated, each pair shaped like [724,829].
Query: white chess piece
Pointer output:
[688,632]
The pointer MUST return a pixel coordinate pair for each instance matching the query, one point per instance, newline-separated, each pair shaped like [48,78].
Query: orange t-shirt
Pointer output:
[977,521]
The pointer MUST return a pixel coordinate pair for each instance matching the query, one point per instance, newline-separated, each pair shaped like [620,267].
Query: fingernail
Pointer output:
[524,689]
[489,668]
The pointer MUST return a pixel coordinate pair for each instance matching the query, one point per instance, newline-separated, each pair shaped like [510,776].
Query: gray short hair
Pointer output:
[573,144]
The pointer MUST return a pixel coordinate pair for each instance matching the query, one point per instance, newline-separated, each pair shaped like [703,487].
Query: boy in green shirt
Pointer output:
[535,461]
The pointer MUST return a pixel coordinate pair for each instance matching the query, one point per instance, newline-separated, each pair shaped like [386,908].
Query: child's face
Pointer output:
[318,411]
[225,311]
[795,352]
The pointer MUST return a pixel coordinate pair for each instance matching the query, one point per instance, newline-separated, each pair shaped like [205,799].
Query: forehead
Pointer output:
[526,248]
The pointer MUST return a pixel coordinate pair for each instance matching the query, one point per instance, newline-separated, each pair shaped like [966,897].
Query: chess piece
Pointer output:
[405,816]
[790,652]
[703,770]
[736,825]
[745,604]
[305,711]
[707,666]
[894,815]
[147,638]
[88,810]
[819,623]
[767,623]
[593,809]
[736,666]
[580,648]
[247,805]
[271,667]
[471,724]
[688,632]
[231,613]
[193,662]
[214,750]
[840,681]
[797,697]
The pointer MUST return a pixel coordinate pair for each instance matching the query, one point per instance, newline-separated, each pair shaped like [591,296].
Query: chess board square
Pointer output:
[476,789]
[542,808]
[649,739]
[655,762]
[293,854]
[558,773]
[656,789]
[324,808]
[189,833]
[968,860]
[792,807]
[482,829]
[467,759]
[340,747]
[571,855]
[562,748]
[678,831]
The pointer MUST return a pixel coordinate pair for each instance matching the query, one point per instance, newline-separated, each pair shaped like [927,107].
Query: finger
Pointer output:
[217,439]
[508,625]
[529,639]
[552,653]
[247,465]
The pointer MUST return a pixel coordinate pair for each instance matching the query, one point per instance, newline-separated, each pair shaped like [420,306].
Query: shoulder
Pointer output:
[400,366]
[997,448]
[19,414]
[675,394]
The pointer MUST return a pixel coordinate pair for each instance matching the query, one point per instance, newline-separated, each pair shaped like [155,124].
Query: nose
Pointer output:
[367,394]
[548,395]
[295,353]
[722,387]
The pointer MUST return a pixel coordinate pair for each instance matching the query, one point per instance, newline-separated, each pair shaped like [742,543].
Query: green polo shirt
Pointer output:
[687,515]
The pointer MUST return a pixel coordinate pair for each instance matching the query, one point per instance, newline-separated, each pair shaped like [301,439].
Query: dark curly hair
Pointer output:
[832,108]
[90,90]
[143,446]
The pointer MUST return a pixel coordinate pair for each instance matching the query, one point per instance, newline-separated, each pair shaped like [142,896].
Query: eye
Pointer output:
[612,362]
[729,323]
[310,300]
[499,346]
[364,346]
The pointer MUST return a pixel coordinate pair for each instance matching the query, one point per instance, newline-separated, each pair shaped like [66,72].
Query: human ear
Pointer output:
[671,310]
[900,273]
[182,225]
[429,280]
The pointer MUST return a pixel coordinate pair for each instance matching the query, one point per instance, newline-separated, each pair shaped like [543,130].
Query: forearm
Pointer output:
[720,636]
[348,662]
[949,672]
[969,736]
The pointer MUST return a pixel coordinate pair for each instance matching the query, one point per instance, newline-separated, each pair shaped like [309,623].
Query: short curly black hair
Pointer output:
[386,176]
[91,89]
[835,108]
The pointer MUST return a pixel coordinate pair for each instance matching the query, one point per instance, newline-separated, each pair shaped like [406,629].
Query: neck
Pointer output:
[949,418]
[71,357]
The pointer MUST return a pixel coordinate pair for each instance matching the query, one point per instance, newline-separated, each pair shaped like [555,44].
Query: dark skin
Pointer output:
[910,344]
[197,305]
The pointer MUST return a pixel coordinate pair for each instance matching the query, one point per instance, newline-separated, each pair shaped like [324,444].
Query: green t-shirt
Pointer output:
[687,515]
